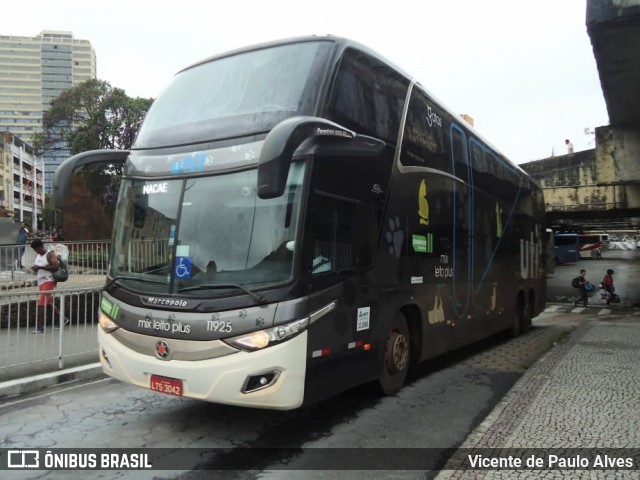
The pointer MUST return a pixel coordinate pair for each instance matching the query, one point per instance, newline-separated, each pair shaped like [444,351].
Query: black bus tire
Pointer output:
[521,320]
[397,355]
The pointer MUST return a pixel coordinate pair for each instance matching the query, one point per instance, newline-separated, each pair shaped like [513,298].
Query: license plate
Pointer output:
[171,386]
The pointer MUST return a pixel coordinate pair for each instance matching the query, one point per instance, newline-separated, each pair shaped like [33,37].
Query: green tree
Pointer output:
[90,116]
[49,213]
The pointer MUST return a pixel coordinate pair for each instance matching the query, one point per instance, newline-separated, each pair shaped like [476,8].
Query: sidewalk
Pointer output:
[583,394]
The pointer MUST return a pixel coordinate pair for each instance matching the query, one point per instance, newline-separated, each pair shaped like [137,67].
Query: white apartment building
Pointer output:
[34,71]
[21,181]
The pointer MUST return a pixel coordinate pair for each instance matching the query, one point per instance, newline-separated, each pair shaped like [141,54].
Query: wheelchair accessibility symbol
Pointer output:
[183,267]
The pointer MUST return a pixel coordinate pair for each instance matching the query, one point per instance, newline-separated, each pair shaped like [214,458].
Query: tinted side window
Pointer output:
[368,96]
[560,240]
[344,236]
[423,140]
[460,157]
[362,179]
[334,224]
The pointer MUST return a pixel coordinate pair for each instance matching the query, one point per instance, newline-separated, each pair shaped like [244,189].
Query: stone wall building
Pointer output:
[598,186]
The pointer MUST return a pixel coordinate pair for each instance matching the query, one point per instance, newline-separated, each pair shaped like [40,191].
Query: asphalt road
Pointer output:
[625,263]
[437,410]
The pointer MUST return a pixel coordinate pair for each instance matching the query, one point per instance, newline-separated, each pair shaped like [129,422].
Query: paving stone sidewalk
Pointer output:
[581,398]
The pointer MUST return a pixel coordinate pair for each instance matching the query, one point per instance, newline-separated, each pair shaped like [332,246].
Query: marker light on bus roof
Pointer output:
[260,339]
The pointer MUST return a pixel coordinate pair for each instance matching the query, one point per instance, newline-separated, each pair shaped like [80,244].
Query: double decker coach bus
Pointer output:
[300,217]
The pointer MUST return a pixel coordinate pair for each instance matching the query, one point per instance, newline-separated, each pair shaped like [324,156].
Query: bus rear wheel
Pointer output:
[522,320]
[397,350]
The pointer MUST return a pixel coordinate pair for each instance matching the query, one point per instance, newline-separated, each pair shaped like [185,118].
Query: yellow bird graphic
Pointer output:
[423,204]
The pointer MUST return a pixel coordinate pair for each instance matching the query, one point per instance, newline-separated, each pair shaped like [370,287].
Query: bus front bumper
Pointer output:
[218,380]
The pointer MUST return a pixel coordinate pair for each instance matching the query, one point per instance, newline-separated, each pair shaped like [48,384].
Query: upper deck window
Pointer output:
[368,96]
[423,142]
[236,95]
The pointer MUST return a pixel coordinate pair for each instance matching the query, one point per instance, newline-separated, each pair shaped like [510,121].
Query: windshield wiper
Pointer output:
[132,277]
[260,300]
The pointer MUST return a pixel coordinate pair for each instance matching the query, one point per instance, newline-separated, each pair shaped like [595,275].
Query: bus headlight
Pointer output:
[106,323]
[106,313]
[260,339]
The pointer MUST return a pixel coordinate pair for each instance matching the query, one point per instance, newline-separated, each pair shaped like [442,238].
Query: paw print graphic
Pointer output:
[260,322]
[395,237]
[249,155]
[215,317]
[242,314]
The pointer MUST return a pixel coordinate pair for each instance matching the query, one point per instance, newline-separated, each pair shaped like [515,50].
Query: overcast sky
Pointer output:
[523,70]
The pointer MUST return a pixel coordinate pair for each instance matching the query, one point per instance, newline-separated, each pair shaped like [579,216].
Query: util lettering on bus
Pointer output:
[530,251]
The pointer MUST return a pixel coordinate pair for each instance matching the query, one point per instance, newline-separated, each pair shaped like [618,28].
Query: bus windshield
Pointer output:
[194,235]
[241,94]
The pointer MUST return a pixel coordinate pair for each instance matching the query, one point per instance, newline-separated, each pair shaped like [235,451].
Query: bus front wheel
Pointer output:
[395,364]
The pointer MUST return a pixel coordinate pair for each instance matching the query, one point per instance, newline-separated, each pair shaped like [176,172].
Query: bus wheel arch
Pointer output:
[396,356]
[412,315]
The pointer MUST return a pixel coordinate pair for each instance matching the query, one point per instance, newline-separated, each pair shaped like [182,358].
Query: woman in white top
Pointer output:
[44,265]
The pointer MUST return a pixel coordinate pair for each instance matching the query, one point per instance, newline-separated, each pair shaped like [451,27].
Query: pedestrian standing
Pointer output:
[569,146]
[582,286]
[23,235]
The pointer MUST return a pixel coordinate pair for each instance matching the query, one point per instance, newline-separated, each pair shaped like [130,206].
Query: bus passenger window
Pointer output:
[460,155]
[321,260]
[368,96]
[423,142]
[333,236]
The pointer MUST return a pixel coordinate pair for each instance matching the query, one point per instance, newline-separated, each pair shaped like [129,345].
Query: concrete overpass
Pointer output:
[602,186]
[614,29]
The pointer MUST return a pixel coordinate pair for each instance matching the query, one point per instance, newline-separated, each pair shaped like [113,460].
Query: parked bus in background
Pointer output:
[592,245]
[566,248]
[604,237]
[300,217]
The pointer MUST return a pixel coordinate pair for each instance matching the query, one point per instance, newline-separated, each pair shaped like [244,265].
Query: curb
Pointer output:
[16,284]
[27,385]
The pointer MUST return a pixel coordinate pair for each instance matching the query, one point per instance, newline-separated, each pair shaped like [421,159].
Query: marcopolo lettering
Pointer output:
[167,302]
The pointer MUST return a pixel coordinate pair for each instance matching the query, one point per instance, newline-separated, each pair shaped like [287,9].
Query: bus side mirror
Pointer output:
[281,143]
[71,165]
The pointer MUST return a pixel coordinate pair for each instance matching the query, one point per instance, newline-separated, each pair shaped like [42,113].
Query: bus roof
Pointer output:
[343,43]
[340,42]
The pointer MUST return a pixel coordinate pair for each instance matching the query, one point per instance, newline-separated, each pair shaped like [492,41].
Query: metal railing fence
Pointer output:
[24,353]
[59,341]
[83,257]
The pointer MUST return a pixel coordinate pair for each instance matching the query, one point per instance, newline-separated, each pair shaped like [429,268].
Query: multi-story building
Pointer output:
[21,181]
[34,71]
